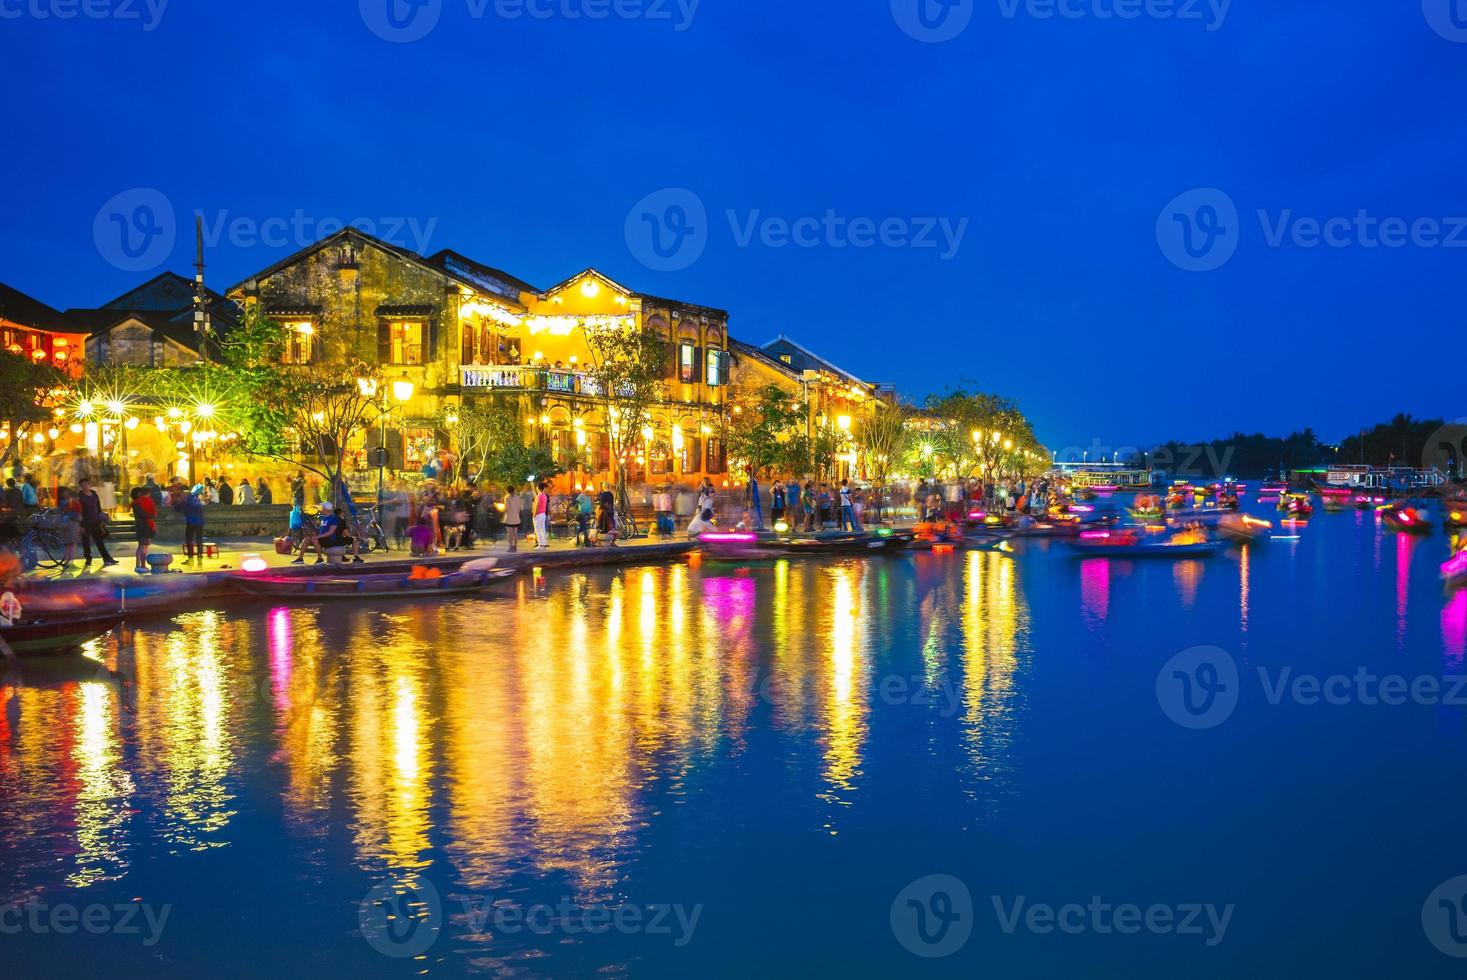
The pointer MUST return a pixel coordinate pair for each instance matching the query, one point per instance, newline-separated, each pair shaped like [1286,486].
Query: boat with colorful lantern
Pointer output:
[61,634]
[1245,527]
[760,545]
[1454,569]
[1126,543]
[1405,519]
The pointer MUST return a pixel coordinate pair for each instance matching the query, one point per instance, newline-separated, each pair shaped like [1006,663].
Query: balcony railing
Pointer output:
[506,377]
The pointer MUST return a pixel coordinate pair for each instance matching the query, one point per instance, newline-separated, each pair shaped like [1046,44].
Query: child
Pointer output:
[420,537]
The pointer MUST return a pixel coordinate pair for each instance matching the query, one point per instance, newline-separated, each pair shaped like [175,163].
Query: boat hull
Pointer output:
[41,637]
[1200,549]
[314,589]
[758,547]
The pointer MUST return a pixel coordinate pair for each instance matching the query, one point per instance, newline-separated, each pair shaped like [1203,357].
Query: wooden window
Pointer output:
[687,363]
[300,343]
[406,342]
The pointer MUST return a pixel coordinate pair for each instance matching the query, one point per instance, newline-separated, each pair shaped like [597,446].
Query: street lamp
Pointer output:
[402,392]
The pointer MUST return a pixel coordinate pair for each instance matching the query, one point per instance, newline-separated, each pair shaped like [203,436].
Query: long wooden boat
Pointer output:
[754,546]
[62,634]
[395,586]
[1100,546]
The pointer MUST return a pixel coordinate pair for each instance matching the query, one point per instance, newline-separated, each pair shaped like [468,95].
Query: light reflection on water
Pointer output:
[556,743]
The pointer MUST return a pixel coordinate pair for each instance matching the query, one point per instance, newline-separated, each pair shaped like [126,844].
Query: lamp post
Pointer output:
[402,392]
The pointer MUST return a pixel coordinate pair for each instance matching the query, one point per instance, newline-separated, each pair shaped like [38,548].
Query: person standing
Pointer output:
[93,525]
[144,514]
[29,494]
[584,507]
[606,519]
[298,490]
[756,500]
[777,501]
[191,507]
[542,519]
[153,490]
[513,518]
[848,516]
[807,503]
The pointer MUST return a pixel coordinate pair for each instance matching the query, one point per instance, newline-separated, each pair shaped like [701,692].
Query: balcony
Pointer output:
[507,377]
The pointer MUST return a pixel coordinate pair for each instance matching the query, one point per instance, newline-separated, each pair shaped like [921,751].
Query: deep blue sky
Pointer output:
[527,143]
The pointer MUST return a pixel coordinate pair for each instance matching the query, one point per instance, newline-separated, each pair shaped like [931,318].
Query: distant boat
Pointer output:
[1106,543]
[1406,520]
[61,635]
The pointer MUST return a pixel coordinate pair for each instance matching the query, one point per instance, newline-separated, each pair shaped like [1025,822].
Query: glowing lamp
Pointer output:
[403,390]
[131,423]
[204,411]
[590,288]
[781,527]
[76,428]
[253,563]
[85,408]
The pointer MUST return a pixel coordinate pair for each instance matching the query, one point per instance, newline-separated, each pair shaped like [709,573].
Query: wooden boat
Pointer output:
[758,545]
[1129,546]
[395,586]
[32,637]
[1242,527]
[1454,569]
[1406,520]
[1456,516]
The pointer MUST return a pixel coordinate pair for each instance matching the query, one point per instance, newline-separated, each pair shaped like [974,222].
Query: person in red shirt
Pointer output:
[542,519]
[144,518]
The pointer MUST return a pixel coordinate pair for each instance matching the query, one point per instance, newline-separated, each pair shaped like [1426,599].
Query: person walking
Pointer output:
[513,518]
[542,519]
[93,525]
[144,514]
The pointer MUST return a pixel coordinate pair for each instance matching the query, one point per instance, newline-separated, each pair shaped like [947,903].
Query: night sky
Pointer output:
[1050,147]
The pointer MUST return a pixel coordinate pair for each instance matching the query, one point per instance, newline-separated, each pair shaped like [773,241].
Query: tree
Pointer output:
[629,373]
[28,391]
[763,430]
[884,438]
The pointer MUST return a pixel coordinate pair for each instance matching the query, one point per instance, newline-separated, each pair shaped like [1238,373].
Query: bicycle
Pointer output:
[42,536]
[366,527]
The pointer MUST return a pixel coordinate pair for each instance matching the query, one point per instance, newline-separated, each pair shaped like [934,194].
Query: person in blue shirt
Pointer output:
[28,497]
[331,533]
[192,509]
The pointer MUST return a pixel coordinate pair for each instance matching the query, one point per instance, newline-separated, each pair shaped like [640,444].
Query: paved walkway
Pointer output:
[231,553]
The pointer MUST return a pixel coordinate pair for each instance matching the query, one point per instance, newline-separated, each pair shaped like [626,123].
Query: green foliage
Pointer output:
[884,437]
[765,431]
[629,369]
[27,390]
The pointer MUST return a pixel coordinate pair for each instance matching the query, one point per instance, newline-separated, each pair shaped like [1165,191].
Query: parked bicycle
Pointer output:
[38,544]
[366,527]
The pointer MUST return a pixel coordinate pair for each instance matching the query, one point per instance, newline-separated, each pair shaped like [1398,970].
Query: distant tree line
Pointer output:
[1403,441]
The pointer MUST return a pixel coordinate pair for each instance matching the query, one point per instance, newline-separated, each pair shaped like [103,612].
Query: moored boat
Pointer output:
[393,586]
[33,637]
[757,545]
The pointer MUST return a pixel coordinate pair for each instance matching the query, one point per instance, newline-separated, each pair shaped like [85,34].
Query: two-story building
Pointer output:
[461,331]
[35,330]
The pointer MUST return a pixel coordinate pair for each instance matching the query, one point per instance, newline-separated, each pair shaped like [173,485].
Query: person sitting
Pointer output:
[703,522]
[332,534]
[305,536]
[420,537]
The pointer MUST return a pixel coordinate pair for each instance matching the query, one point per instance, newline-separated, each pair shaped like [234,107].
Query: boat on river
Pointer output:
[62,634]
[1407,520]
[1454,570]
[1244,527]
[1125,545]
[758,545]
[394,586]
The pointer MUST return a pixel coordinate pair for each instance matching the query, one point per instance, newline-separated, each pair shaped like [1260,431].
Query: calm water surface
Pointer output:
[718,771]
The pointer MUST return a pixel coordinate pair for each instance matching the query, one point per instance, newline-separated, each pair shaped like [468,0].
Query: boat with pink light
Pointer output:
[757,545]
